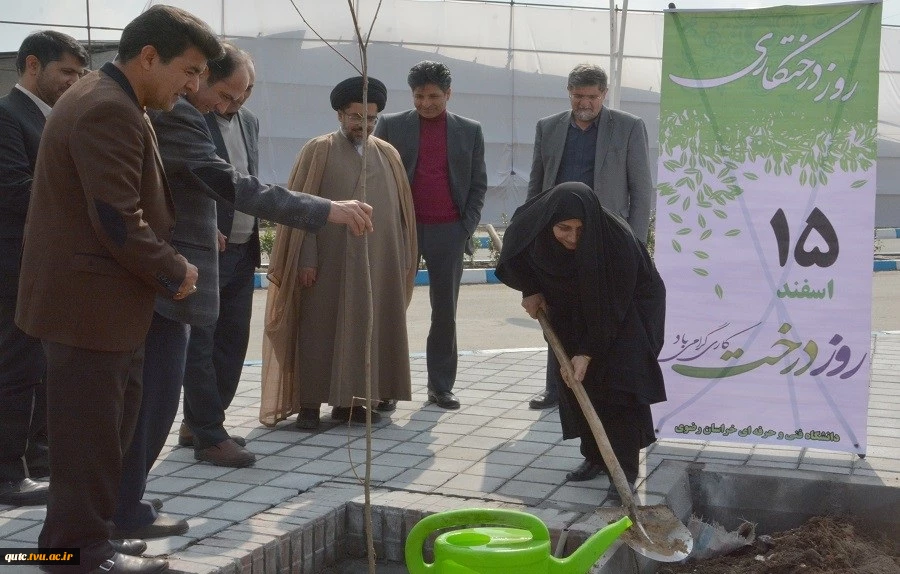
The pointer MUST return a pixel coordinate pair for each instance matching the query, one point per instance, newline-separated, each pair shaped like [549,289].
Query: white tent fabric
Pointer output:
[509,64]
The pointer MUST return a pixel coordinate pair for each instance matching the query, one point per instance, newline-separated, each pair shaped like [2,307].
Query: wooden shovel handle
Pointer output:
[609,457]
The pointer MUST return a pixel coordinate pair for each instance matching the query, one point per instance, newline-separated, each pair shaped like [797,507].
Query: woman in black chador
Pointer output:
[606,302]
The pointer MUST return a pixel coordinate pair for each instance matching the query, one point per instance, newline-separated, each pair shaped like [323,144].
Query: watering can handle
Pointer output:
[415,541]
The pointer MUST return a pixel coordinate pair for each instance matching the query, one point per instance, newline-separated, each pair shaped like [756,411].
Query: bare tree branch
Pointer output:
[361,46]
[320,37]
[372,25]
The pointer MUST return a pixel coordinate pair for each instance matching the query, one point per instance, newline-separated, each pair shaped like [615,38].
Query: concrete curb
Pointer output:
[478,276]
[887,233]
[887,264]
[470,277]
[481,276]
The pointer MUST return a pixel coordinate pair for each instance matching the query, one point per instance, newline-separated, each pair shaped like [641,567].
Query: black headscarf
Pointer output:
[606,259]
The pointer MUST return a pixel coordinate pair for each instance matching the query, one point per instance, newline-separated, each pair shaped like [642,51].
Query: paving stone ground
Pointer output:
[493,449]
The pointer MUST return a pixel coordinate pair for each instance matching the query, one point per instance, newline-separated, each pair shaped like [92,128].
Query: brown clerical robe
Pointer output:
[314,339]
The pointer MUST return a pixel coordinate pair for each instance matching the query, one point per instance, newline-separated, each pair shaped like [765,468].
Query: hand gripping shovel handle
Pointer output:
[609,457]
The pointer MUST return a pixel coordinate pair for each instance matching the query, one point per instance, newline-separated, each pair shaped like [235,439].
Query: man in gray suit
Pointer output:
[605,149]
[216,352]
[200,179]
[443,154]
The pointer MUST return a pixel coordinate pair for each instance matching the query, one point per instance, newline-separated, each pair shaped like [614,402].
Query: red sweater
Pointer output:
[431,182]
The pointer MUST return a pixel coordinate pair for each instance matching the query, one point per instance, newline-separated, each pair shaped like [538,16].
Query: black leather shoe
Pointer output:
[163,526]
[387,405]
[585,471]
[445,400]
[25,492]
[124,564]
[543,401]
[186,436]
[612,495]
[354,415]
[308,418]
[129,547]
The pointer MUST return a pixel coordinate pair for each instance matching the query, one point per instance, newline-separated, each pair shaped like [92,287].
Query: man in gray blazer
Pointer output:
[444,158]
[199,180]
[216,352]
[605,149]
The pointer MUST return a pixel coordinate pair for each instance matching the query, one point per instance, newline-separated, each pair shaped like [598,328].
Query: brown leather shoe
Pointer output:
[226,453]
[186,436]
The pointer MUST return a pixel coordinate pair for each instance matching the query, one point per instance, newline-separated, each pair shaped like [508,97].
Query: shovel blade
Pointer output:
[658,535]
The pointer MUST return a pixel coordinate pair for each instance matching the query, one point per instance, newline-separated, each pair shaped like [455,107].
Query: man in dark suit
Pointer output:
[48,63]
[605,149]
[96,254]
[444,158]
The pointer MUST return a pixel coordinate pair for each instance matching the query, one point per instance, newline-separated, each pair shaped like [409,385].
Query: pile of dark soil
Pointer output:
[823,545]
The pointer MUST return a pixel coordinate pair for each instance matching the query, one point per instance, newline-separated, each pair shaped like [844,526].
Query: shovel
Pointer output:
[657,532]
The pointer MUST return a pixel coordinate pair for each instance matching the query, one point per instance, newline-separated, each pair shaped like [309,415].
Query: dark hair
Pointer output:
[223,67]
[585,75]
[428,72]
[49,46]
[171,31]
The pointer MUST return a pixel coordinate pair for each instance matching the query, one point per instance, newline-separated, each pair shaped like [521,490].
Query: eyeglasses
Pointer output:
[358,118]
[581,97]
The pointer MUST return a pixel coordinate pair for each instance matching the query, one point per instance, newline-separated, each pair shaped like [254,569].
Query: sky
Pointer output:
[34,14]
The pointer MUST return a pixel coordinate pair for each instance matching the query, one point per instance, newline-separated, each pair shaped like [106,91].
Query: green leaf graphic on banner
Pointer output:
[753,105]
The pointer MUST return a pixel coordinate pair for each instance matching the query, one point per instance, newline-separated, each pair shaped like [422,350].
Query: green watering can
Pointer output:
[511,543]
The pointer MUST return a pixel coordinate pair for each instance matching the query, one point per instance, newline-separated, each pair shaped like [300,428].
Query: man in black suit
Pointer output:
[216,352]
[48,63]
[443,154]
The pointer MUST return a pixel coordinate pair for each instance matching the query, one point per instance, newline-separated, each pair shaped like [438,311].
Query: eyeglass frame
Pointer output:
[358,118]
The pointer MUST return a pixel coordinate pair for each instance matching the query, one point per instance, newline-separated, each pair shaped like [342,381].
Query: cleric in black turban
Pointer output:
[350,91]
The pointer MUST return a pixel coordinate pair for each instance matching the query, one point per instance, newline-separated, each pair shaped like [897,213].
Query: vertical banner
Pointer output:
[764,222]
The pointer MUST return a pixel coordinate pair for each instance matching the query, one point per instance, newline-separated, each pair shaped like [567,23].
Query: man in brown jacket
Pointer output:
[95,256]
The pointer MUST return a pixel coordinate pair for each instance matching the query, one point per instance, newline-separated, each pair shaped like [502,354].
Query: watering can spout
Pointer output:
[588,553]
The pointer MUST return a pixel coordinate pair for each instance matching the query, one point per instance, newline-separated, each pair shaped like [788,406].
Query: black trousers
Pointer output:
[215,355]
[23,400]
[93,398]
[554,378]
[629,428]
[164,351]
[442,246]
